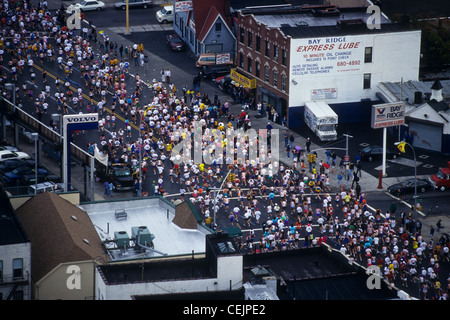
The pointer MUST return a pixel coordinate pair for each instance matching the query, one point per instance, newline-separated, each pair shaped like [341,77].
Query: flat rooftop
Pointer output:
[152,213]
[309,20]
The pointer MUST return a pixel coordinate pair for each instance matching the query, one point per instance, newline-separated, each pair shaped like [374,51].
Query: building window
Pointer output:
[249,64]
[257,68]
[368,54]
[267,74]
[218,27]
[241,60]
[250,39]
[275,52]
[366,84]
[241,35]
[258,43]
[275,79]
[283,83]
[1,270]
[18,268]
[267,48]
[283,57]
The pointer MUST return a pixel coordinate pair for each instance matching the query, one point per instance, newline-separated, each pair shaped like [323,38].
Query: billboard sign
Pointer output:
[183,6]
[328,56]
[388,115]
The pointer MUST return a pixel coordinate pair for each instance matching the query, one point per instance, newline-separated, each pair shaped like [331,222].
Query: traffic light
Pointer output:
[312,157]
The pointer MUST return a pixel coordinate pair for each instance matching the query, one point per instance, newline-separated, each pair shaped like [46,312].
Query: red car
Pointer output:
[175,42]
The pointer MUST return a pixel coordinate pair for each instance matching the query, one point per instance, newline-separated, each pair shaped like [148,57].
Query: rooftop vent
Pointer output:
[331,11]
[351,24]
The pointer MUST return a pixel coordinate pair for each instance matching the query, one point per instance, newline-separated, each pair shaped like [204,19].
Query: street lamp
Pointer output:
[35,139]
[415,175]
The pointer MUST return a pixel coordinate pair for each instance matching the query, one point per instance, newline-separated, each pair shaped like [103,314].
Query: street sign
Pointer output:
[388,115]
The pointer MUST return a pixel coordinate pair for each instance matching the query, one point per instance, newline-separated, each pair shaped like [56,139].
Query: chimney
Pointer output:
[436,91]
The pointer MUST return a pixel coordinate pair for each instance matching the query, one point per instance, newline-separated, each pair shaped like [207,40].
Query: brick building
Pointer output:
[296,54]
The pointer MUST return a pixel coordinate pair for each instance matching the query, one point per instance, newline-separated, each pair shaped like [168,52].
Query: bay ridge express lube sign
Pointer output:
[327,56]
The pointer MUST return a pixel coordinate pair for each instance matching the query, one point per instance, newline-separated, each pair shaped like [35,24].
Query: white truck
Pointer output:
[321,119]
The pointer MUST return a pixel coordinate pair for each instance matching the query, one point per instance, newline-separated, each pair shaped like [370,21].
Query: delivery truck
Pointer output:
[321,119]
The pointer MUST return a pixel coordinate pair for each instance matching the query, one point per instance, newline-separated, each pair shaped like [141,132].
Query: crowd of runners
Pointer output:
[293,205]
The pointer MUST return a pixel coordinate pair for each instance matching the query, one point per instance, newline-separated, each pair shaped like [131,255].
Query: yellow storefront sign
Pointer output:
[242,80]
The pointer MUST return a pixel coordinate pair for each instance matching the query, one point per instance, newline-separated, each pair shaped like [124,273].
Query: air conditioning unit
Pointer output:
[142,236]
[121,239]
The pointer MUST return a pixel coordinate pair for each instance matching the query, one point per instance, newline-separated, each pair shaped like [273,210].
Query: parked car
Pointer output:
[14,176]
[165,15]
[133,4]
[423,185]
[212,72]
[224,82]
[11,164]
[6,154]
[30,179]
[119,174]
[175,42]
[441,179]
[86,5]
[376,152]
[9,148]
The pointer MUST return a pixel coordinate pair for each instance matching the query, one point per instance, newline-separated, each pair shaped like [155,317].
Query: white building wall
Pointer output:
[338,77]
[7,254]
[229,277]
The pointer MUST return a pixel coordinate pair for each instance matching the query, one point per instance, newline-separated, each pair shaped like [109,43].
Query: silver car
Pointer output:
[133,4]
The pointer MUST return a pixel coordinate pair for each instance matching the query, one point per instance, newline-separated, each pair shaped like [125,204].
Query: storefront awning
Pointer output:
[242,80]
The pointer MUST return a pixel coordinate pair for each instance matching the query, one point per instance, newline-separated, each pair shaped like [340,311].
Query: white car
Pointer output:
[86,5]
[6,155]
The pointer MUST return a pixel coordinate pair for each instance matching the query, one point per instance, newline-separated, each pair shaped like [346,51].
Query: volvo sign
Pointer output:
[88,121]
[388,115]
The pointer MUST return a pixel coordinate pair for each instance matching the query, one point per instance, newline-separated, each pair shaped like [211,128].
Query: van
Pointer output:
[209,59]
[165,15]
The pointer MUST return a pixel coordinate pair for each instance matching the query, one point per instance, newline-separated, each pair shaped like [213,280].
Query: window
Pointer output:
[366,83]
[275,52]
[18,268]
[249,64]
[258,43]
[1,270]
[267,48]
[241,35]
[257,68]
[368,55]
[275,79]
[218,27]
[267,74]
[250,39]
[241,60]
[283,57]
[283,83]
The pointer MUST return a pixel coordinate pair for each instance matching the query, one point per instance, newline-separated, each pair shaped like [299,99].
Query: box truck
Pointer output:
[321,119]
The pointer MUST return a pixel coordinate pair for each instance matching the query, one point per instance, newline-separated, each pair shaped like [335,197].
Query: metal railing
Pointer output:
[8,108]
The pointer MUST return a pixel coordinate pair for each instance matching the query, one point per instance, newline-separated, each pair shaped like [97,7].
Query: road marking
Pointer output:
[405,203]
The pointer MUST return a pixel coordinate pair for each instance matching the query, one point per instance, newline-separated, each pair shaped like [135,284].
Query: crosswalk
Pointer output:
[143,28]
